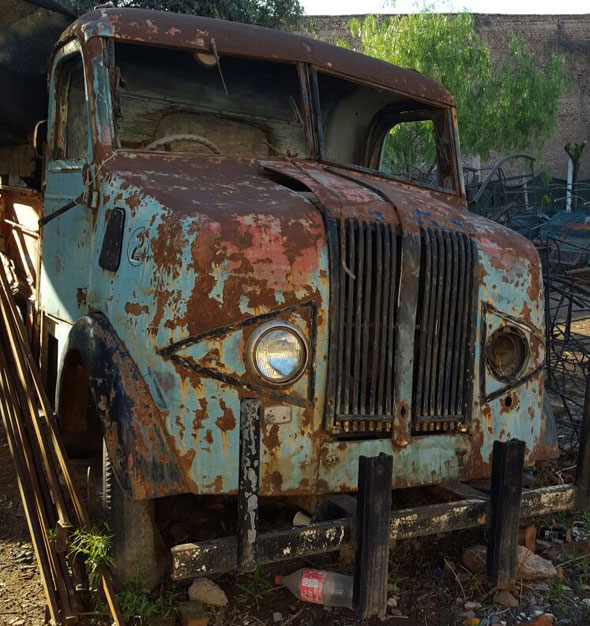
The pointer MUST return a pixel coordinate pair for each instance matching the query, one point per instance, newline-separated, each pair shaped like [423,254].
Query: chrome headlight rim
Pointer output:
[254,340]
[516,336]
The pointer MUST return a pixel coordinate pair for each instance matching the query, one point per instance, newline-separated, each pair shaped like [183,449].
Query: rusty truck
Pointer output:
[245,262]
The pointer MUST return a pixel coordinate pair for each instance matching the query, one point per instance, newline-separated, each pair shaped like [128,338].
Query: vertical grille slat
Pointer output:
[366,314]
[444,332]
[360,283]
[391,321]
[446,239]
[341,314]
[460,304]
[450,376]
[465,312]
[350,285]
[384,321]
[430,327]
[378,275]
[440,283]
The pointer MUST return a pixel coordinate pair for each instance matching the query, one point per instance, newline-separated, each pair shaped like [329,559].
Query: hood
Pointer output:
[221,188]
[214,185]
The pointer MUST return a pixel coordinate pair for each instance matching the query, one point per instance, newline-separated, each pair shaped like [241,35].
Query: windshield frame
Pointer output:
[450,127]
[311,112]
[302,104]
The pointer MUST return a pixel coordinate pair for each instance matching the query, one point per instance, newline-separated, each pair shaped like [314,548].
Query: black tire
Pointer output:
[136,545]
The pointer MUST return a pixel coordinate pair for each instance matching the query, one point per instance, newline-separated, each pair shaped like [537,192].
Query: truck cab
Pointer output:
[252,237]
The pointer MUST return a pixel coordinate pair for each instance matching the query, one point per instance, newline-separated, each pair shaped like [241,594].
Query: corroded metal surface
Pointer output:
[213,246]
[210,557]
[190,31]
[210,269]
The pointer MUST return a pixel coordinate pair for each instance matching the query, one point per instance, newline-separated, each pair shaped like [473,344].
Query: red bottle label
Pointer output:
[311,587]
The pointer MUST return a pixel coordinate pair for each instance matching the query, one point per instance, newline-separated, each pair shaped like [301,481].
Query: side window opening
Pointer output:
[71,127]
[409,152]
[416,148]
[385,131]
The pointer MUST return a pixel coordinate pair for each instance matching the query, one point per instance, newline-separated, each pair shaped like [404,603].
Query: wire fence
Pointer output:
[557,220]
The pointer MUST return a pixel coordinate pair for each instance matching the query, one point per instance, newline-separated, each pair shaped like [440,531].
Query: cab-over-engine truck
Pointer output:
[245,261]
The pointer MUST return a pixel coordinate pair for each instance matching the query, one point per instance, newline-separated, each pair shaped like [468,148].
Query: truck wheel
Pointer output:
[136,546]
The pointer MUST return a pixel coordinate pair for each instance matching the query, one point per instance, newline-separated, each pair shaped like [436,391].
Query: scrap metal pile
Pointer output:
[51,503]
[556,217]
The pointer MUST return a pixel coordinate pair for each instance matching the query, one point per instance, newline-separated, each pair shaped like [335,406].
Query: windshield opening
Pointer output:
[162,94]
[385,132]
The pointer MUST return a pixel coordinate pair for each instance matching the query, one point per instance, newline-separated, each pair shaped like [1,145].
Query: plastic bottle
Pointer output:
[319,587]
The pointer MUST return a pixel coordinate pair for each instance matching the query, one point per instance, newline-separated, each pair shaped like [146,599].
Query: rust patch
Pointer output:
[136,309]
[271,438]
[227,421]
[276,482]
[81,297]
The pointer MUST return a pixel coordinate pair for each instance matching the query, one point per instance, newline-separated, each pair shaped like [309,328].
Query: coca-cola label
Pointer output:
[311,587]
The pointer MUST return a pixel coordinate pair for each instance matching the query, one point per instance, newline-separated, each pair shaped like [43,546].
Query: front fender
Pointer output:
[144,462]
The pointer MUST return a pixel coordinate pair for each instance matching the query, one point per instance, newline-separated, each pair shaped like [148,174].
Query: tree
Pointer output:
[502,106]
[283,14]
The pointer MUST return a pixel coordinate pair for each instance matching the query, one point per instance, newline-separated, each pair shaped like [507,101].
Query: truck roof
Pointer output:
[160,28]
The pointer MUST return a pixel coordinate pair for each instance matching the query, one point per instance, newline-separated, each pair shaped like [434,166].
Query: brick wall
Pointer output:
[544,34]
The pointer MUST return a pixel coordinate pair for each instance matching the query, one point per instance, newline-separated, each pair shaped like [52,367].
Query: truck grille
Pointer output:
[363,324]
[444,332]
[365,281]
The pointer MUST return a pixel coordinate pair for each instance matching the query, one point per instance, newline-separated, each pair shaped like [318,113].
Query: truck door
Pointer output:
[66,242]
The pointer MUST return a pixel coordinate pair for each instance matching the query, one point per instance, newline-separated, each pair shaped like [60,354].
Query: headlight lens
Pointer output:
[507,353]
[278,352]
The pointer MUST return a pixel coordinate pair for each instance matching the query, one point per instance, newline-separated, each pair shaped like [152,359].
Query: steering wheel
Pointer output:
[183,137]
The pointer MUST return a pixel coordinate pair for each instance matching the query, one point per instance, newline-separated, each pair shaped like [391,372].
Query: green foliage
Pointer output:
[283,14]
[137,603]
[255,585]
[409,151]
[507,105]
[93,545]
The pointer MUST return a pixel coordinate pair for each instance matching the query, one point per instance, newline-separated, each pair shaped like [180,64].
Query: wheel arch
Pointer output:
[144,463]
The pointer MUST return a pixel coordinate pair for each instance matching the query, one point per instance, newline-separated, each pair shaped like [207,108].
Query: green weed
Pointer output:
[93,545]
[138,605]
[255,585]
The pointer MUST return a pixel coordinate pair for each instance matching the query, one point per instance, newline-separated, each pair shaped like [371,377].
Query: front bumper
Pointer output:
[370,524]
[221,555]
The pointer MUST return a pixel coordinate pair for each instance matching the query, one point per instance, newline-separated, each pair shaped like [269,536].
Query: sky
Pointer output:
[346,7]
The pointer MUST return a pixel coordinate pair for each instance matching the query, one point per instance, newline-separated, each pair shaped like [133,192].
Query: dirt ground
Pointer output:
[428,584]
[21,593]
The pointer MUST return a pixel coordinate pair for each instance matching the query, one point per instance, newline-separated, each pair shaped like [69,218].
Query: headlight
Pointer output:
[507,353]
[276,351]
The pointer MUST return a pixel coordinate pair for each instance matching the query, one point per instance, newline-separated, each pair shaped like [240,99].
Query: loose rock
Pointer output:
[208,592]
[474,559]
[529,566]
[541,620]
[505,598]
[192,614]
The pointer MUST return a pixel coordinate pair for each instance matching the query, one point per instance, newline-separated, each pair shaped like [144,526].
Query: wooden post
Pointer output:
[506,491]
[373,515]
[583,469]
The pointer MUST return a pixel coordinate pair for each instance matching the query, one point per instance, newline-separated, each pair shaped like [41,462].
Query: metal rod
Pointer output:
[248,484]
